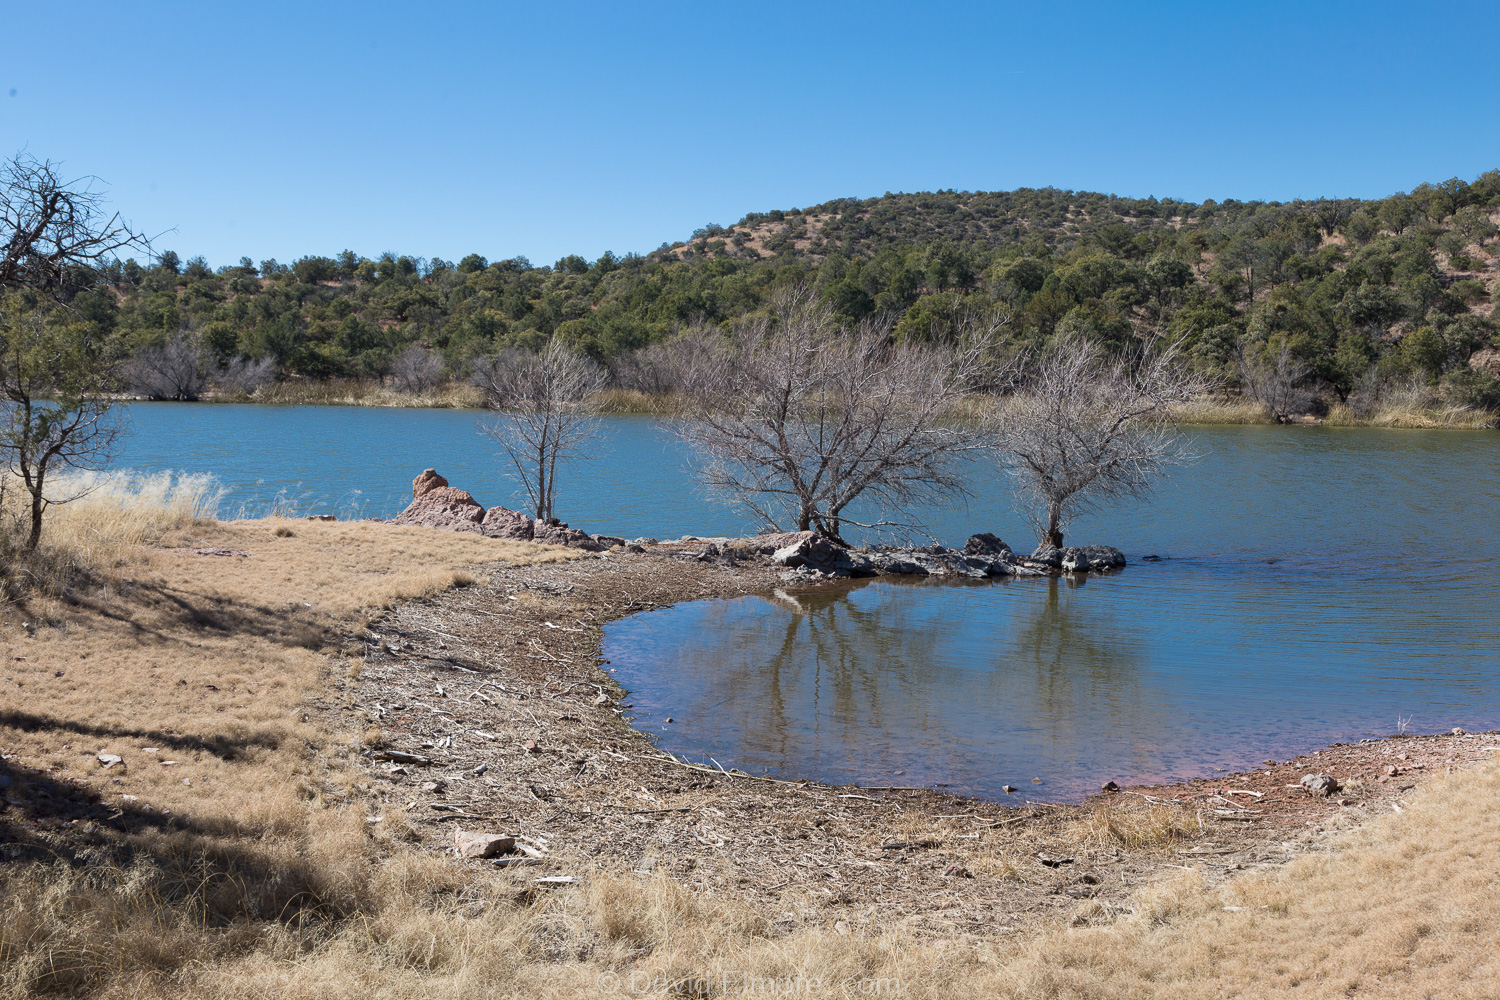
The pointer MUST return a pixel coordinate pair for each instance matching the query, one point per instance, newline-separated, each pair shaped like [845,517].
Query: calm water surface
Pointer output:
[1316,584]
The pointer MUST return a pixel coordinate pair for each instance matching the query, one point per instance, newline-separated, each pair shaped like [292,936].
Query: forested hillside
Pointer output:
[1356,292]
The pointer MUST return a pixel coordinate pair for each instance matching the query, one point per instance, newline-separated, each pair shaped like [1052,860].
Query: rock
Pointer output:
[322,517]
[985,544]
[109,760]
[498,522]
[1109,786]
[817,553]
[427,480]
[1321,784]
[435,504]
[637,549]
[1047,555]
[1150,558]
[609,541]
[807,550]
[767,544]
[482,845]
[1092,557]
[1459,732]
[530,746]
[1008,789]
[555,532]
[958,871]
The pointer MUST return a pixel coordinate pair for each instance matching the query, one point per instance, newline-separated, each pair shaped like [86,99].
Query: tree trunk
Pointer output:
[1054,525]
[37,507]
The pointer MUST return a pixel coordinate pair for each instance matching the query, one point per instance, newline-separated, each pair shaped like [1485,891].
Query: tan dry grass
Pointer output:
[359,392]
[278,885]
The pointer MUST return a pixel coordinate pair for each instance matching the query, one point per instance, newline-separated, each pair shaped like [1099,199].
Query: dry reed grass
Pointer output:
[359,392]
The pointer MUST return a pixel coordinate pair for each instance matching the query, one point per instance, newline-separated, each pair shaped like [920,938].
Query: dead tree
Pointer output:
[796,418]
[1088,429]
[55,413]
[1271,378]
[55,233]
[176,370]
[545,418]
[245,375]
[417,369]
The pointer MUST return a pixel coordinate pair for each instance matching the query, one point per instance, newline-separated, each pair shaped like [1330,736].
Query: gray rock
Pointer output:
[1047,555]
[482,845]
[1321,784]
[985,544]
[609,541]
[1092,557]
[555,532]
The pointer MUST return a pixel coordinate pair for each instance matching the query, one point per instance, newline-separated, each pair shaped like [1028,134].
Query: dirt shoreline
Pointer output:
[500,692]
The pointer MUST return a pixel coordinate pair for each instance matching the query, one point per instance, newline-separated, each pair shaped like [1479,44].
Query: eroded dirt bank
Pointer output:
[501,718]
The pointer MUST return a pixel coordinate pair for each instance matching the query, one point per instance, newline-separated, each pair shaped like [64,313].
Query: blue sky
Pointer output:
[440,129]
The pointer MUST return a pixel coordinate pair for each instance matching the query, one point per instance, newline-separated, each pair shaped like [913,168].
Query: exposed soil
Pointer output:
[500,692]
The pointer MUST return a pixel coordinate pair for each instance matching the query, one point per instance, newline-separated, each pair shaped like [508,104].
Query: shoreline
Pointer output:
[531,741]
[625,403]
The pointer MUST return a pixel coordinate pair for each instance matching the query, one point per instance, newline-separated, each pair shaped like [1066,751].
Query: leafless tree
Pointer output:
[1271,378]
[1088,429]
[177,369]
[52,231]
[797,418]
[55,412]
[545,418]
[417,369]
[245,375]
[667,368]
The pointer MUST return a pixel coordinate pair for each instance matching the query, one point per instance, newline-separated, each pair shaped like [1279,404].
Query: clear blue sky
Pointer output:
[439,129]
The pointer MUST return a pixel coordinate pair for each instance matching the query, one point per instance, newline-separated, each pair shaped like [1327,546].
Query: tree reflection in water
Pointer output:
[913,683]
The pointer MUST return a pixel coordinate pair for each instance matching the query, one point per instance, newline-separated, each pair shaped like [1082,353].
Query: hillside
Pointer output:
[1361,293]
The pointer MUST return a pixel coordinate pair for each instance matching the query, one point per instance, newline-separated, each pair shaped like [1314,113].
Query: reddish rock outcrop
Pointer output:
[435,504]
[501,523]
[428,480]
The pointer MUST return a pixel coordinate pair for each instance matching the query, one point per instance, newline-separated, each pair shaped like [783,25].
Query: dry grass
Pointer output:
[269,877]
[1432,416]
[359,392]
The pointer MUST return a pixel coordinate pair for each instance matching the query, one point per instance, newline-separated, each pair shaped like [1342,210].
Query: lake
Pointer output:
[1316,584]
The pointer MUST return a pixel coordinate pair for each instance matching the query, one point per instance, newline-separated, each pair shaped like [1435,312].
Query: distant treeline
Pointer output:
[1358,291]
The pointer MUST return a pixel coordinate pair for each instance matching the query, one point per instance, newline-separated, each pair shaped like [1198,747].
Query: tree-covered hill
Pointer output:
[1396,288]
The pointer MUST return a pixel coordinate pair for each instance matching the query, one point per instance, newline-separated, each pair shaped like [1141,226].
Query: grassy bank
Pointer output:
[357,392]
[257,864]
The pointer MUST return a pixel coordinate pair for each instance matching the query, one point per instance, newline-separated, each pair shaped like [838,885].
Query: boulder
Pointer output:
[482,845]
[768,544]
[555,532]
[609,541]
[428,480]
[1321,784]
[1092,557]
[1047,555]
[985,544]
[442,507]
[809,550]
[499,522]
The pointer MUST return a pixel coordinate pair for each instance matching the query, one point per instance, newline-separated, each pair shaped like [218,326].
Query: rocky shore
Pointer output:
[801,556]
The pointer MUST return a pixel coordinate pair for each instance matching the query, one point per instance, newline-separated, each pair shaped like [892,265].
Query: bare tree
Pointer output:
[1271,378]
[52,231]
[417,369]
[545,419]
[246,374]
[177,369]
[797,418]
[1089,429]
[667,368]
[55,413]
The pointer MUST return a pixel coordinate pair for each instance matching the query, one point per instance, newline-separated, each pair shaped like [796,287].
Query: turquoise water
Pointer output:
[1316,585]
